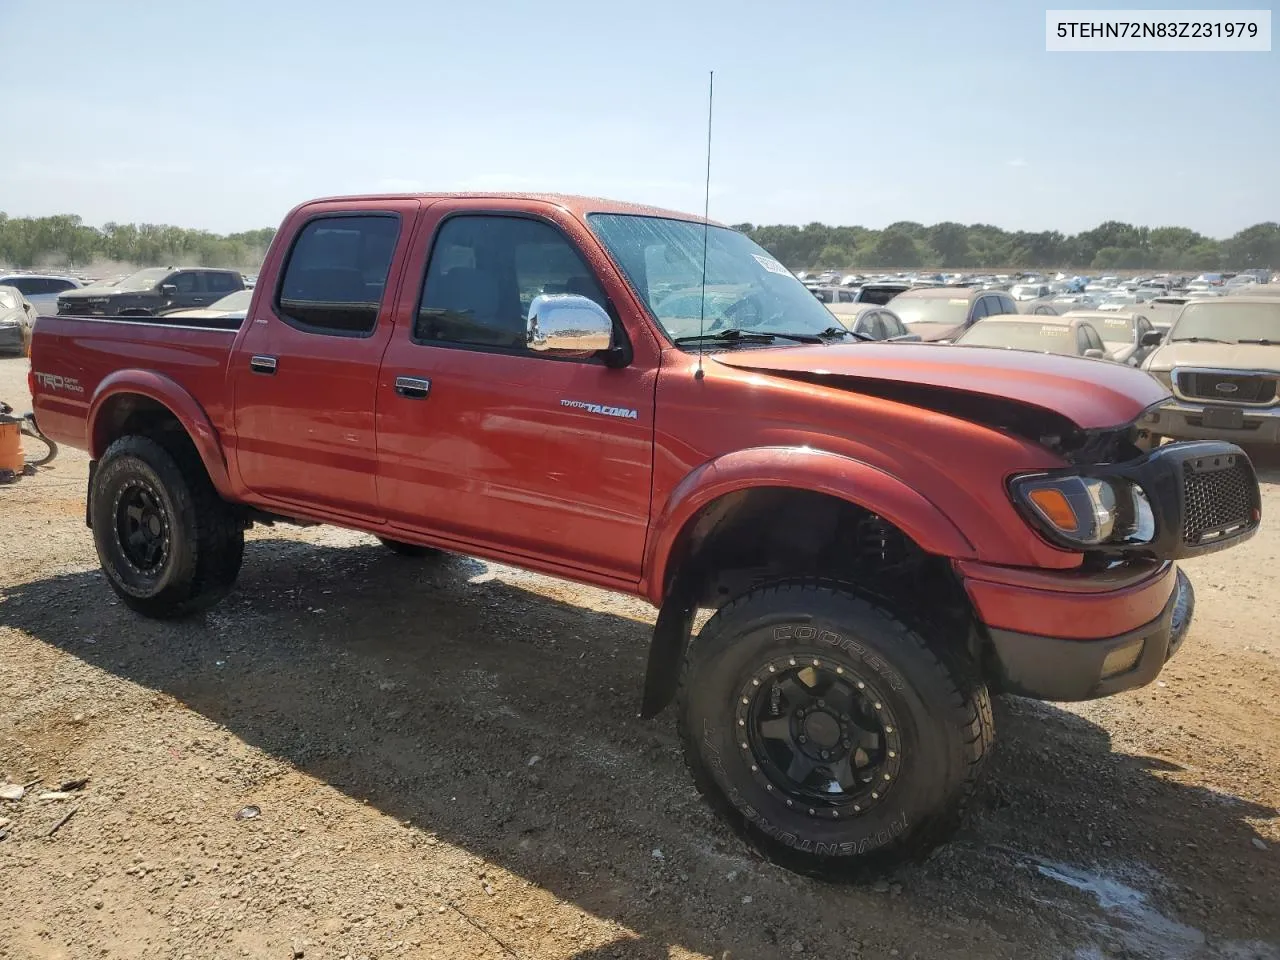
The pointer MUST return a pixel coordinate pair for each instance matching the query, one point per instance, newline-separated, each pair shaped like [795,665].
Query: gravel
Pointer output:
[388,744]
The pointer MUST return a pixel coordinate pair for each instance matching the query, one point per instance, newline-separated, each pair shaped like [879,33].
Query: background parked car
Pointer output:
[872,320]
[152,292]
[1221,360]
[17,316]
[230,310]
[942,313]
[41,290]
[1069,336]
[881,292]
[1030,291]
[1123,334]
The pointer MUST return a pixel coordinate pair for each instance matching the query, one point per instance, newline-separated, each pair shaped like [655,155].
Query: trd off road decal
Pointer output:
[621,412]
[53,381]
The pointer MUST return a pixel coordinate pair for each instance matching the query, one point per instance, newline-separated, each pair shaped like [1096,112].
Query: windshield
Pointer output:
[142,280]
[1228,322]
[1020,335]
[1025,291]
[746,288]
[1115,329]
[951,311]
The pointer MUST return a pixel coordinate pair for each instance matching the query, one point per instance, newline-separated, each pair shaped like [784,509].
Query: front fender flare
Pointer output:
[802,468]
[172,395]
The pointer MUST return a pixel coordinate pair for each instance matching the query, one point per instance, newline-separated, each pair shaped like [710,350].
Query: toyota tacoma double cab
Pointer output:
[885,533]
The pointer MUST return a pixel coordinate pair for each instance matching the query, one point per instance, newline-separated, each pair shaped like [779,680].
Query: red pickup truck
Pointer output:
[637,399]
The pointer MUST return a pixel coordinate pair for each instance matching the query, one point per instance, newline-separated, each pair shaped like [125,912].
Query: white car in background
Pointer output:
[41,290]
[17,317]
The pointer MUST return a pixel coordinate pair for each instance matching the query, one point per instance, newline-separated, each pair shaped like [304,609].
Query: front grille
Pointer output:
[1218,493]
[1225,387]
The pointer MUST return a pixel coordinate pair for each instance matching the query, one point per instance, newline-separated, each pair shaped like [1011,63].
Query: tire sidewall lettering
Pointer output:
[805,633]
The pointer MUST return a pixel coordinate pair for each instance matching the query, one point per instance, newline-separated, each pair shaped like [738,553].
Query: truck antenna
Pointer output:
[706,213]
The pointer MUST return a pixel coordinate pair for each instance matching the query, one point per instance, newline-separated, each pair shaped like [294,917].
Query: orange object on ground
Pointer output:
[11,457]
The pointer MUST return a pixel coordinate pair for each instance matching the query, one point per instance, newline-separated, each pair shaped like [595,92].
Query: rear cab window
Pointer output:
[336,274]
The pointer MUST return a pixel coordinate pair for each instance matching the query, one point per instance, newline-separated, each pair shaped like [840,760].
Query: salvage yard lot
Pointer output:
[447,762]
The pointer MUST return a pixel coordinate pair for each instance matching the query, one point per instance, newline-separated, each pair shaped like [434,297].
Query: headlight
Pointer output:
[1077,512]
[1164,376]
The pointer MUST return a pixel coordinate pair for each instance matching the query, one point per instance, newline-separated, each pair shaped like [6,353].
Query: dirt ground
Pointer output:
[447,762]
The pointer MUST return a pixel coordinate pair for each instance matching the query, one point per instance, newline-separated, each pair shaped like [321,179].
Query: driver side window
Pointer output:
[485,271]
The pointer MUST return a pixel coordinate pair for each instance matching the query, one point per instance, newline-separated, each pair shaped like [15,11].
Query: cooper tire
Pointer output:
[934,734]
[415,551]
[168,544]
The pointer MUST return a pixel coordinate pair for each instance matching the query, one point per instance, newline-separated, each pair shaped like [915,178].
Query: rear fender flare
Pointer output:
[170,394]
[801,468]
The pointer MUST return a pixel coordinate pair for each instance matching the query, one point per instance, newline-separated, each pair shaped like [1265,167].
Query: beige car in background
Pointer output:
[1221,360]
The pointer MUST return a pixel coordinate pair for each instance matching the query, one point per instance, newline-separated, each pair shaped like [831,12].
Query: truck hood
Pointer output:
[86,293]
[1223,356]
[1090,394]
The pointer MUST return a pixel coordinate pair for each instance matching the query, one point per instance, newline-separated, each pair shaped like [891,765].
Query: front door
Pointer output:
[482,440]
[188,291]
[306,370]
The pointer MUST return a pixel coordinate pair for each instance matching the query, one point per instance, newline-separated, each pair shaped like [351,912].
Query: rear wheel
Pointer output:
[167,542]
[411,550]
[827,731]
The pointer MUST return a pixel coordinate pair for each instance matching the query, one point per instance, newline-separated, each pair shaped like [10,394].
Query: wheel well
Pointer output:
[132,413]
[765,534]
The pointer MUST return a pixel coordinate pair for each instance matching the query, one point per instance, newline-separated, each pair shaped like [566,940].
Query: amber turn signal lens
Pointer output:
[1054,507]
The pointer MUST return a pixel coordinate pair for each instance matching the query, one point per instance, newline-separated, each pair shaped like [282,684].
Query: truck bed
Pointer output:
[88,350]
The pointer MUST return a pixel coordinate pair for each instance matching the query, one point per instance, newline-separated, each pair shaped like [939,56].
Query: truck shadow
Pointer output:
[502,719]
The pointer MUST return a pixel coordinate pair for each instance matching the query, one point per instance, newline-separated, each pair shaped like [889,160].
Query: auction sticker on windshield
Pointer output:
[773,266]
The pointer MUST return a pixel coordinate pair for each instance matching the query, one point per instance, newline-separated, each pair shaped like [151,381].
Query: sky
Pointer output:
[224,114]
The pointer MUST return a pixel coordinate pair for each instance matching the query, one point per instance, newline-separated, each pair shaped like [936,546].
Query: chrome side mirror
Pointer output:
[568,324]
[1095,354]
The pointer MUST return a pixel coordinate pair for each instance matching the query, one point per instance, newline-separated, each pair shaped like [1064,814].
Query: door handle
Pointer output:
[414,388]
[263,364]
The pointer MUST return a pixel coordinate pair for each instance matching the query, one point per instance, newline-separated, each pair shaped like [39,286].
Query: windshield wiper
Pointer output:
[1196,340]
[832,332]
[738,335]
[1263,341]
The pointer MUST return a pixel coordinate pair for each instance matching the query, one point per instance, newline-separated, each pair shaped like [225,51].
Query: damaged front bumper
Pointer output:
[1070,668]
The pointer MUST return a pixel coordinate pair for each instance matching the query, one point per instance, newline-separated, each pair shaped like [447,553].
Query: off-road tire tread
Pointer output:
[970,702]
[219,528]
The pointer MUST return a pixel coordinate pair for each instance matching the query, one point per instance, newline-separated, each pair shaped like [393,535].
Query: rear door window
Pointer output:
[892,326]
[220,283]
[336,275]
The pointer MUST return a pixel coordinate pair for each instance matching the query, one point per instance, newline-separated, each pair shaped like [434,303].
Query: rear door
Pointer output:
[305,371]
[482,440]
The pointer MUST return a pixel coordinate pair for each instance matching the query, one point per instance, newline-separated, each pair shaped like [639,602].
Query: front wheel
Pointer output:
[828,732]
[168,544]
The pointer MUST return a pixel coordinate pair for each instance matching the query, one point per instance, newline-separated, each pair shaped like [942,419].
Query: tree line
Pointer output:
[1110,246]
[66,241]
